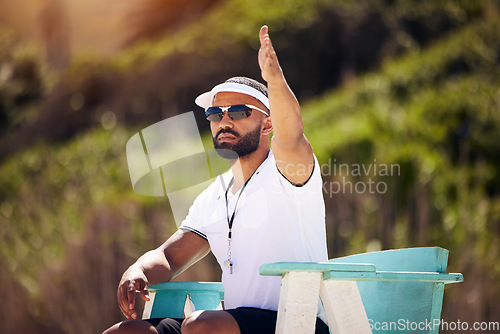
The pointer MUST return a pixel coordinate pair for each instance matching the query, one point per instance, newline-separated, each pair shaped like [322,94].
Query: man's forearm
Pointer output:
[155,266]
[175,255]
[288,128]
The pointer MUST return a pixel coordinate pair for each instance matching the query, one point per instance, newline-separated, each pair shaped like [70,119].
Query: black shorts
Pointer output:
[250,320]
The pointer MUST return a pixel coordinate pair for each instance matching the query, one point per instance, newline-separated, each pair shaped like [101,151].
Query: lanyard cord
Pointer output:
[230,221]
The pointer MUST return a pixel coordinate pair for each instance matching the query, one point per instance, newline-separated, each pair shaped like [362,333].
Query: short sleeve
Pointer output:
[194,221]
[314,182]
[202,207]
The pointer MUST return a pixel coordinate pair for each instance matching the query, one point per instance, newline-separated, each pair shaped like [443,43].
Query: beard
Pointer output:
[243,145]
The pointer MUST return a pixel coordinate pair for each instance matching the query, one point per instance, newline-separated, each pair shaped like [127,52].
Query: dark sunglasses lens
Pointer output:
[213,110]
[236,115]
[214,117]
[236,112]
[239,111]
[214,114]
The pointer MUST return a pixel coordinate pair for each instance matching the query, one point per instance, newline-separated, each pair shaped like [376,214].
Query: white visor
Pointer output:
[205,100]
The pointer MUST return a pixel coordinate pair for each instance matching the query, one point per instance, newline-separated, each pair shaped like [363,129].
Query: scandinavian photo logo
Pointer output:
[357,178]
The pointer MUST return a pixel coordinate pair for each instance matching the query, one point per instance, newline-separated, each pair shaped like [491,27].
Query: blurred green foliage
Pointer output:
[24,80]
[57,186]
[425,96]
[437,109]
[435,113]
[56,200]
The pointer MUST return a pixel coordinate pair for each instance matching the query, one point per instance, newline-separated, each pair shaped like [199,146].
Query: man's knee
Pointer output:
[209,322]
[131,327]
[196,322]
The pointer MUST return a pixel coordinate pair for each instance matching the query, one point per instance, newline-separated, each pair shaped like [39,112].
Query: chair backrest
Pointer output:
[399,306]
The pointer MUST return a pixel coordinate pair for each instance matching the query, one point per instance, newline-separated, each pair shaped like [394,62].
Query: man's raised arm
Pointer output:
[175,255]
[292,150]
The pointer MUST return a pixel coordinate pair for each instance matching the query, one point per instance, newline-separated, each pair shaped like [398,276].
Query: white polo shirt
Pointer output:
[275,221]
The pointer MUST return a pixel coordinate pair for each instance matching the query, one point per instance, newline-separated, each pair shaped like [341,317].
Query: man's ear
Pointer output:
[267,126]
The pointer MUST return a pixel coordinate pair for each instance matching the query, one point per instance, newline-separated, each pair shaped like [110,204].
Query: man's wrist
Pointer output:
[277,82]
[137,267]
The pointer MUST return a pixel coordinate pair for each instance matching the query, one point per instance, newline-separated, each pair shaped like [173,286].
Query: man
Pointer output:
[268,208]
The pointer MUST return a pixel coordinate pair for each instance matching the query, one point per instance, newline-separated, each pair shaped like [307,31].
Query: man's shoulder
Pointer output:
[217,187]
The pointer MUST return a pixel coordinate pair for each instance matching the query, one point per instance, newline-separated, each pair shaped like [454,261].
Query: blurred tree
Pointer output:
[54,33]
[151,19]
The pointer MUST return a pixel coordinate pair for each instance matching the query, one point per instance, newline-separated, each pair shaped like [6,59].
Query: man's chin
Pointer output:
[226,153]
[224,146]
[239,148]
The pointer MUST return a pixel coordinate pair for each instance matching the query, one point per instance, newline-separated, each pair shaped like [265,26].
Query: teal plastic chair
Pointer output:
[380,292]
[414,279]
[400,291]
[178,299]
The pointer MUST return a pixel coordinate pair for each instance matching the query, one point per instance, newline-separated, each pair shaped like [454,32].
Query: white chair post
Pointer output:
[298,304]
[148,306]
[343,307]
[188,307]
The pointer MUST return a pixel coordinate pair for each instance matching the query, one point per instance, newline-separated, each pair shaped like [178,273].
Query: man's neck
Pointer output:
[243,168]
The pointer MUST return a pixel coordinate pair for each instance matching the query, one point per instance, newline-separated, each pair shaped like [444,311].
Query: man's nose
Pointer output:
[226,121]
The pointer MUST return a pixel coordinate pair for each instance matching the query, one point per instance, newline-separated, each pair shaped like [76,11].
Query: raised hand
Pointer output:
[132,280]
[268,60]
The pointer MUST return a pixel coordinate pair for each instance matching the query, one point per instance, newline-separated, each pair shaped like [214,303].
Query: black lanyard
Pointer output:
[228,263]
[230,221]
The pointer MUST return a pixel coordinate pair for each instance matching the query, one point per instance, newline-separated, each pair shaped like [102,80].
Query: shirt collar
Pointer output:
[225,179]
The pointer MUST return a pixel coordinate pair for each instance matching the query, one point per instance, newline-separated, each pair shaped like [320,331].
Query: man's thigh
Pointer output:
[199,322]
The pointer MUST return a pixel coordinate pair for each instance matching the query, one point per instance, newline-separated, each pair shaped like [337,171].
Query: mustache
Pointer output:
[221,131]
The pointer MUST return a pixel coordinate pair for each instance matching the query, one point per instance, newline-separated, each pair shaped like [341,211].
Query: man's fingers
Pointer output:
[123,301]
[145,293]
[262,34]
[268,60]
[266,45]
[265,41]
[131,295]
[132,280]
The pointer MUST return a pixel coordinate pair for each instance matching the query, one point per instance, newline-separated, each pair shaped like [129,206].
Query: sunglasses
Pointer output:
[236,112]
